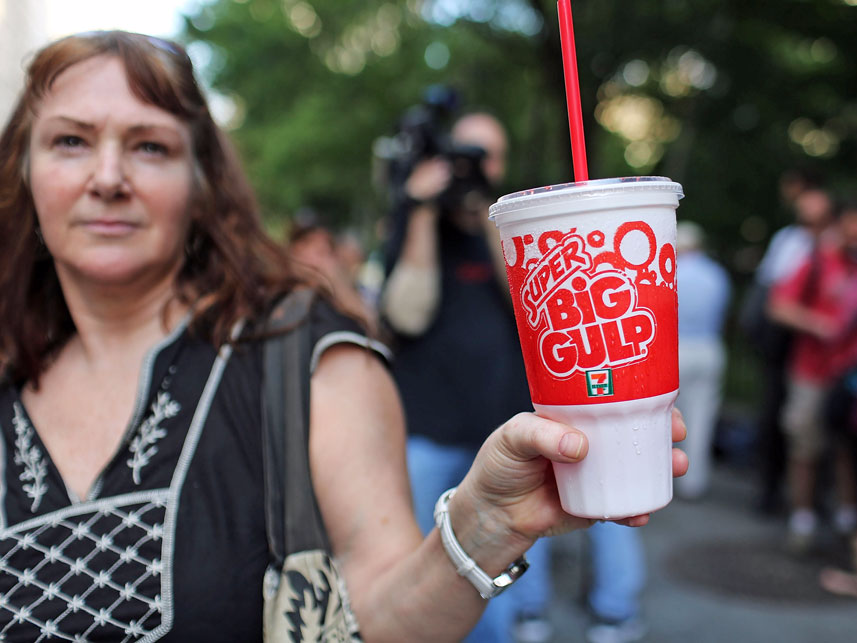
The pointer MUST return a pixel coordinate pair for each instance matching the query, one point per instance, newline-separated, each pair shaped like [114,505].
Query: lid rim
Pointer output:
[588,189]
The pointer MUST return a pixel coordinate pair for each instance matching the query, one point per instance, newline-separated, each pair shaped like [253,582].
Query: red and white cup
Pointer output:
[591,269]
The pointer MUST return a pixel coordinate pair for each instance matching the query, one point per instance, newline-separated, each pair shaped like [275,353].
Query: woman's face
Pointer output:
[111,178]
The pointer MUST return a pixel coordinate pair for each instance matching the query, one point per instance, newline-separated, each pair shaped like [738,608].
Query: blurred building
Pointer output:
[23,27]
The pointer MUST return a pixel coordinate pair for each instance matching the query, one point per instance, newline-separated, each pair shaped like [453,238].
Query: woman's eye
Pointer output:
[68,141]
[150,147]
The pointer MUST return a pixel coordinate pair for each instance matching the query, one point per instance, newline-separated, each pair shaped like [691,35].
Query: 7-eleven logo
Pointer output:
[599,383]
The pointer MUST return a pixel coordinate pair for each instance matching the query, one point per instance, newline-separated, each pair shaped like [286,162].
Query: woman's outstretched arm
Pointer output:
[404,586]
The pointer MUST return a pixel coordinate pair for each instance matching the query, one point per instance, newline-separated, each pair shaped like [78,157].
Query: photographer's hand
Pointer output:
[428,180]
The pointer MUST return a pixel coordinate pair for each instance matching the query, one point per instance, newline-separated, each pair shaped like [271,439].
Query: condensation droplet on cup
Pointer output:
[639,452]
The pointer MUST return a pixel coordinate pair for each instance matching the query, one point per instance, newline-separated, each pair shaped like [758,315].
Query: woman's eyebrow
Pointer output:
[140,128]
[72,121]
[144,128]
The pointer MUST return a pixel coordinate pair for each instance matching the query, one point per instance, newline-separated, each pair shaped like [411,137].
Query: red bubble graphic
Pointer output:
[546,238]
[635,226]
[595,239]
[667,263]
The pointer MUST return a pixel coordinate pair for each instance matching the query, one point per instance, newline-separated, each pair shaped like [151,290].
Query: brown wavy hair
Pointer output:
[232,268]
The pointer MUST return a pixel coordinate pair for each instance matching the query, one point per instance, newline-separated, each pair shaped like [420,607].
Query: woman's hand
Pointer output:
[512,481]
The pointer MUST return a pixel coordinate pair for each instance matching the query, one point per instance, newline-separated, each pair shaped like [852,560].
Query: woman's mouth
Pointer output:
[110,227]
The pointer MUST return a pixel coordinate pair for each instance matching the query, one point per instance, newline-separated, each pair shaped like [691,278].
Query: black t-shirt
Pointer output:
[170,545]
[465,375]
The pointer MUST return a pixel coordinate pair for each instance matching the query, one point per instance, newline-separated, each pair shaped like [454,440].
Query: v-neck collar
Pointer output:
[33,455]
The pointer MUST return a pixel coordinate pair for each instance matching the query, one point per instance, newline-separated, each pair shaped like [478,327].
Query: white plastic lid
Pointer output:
[584,190]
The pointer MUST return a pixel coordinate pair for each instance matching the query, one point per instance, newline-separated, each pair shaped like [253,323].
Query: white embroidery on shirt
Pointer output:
[30,457]
[143,446]
[72,560]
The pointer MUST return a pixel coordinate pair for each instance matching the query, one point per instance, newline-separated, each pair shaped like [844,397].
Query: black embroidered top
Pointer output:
[170,545]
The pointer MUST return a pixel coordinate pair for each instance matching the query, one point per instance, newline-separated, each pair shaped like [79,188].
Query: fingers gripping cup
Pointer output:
[591,269]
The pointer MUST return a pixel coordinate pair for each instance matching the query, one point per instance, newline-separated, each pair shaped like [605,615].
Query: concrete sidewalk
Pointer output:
[718,573]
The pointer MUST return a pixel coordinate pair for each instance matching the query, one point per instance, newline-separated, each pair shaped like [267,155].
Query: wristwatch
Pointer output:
[465,566]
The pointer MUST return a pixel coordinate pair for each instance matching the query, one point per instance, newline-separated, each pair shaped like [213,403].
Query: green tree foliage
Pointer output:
[318,82]
[722,95]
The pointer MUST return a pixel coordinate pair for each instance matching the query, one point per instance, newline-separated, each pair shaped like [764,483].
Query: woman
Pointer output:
[132,504]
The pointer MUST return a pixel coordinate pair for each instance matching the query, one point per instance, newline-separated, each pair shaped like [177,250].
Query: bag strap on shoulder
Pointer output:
[292,516]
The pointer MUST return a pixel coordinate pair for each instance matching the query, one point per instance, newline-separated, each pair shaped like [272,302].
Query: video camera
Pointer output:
[422,134]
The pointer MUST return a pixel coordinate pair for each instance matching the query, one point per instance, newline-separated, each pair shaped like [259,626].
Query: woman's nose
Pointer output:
[109,180]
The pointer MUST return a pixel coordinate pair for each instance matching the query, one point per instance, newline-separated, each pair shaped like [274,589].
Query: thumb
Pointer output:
[527,436]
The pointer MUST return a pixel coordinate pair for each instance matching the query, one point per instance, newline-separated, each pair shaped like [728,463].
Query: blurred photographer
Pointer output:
[458,361]
[445,198]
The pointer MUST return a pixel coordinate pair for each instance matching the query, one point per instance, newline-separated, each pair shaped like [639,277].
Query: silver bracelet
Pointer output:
[465,566]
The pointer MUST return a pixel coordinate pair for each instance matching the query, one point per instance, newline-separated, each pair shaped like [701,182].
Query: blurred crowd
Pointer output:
[801,316]
[435,288]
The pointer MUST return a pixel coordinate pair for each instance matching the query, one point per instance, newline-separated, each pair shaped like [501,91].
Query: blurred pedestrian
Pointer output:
[819,302]
[704,291]
[361,269]
[618,560]
[812,209]
[314,246]
[458,361]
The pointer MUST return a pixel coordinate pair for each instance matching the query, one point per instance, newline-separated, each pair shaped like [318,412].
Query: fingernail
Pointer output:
[571,445]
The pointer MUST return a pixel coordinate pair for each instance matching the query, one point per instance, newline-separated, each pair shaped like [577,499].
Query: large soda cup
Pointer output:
[591,269]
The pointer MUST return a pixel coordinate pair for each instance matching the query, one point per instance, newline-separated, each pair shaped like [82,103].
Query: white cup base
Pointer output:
[628,470]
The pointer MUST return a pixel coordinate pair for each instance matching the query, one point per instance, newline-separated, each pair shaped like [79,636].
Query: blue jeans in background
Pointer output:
[618,571]
[433,469]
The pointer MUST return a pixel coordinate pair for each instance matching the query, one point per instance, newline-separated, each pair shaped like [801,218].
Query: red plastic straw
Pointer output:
[572,91]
